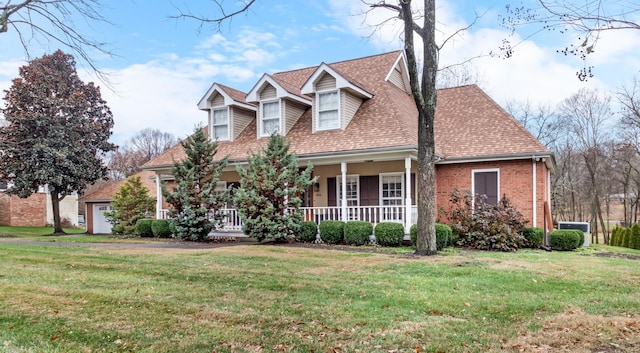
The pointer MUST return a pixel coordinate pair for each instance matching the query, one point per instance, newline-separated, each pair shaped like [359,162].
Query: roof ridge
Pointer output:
[314,67]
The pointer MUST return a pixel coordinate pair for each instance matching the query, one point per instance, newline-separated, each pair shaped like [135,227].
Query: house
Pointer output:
[35,210]
[97,202]
[356,122]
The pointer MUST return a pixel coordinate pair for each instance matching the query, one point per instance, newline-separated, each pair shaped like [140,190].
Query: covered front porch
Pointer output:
[374,190]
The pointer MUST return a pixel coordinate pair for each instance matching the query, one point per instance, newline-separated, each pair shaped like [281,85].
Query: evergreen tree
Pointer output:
[634,241]
[129,205]
[268,199]
[195,207]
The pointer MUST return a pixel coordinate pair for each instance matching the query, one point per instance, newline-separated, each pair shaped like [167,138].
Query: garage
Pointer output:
[100,223]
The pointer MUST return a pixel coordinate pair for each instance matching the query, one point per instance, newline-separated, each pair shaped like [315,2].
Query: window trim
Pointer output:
[338,109]
[339,189]
[262,103]
[213,125]
[473,183]
[404,189]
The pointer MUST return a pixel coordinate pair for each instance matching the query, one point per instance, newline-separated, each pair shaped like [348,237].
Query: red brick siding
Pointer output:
[515,182]
[29,212]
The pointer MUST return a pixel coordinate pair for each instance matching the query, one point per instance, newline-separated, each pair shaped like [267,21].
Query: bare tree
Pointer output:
[458,75]
[53,20]
[587,20]
[540,119]
[138,150]
[588,115]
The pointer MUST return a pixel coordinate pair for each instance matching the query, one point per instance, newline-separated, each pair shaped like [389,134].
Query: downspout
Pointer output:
[158,198]
[535,201]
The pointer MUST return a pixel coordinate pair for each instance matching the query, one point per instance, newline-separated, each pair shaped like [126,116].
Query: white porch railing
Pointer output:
[372,214]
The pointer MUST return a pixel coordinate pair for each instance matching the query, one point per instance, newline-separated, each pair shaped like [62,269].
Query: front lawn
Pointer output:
[35,231]
[264,298]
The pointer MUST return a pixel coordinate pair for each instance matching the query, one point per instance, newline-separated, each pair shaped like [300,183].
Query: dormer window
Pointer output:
[328,110]
[220,124]
[269,118]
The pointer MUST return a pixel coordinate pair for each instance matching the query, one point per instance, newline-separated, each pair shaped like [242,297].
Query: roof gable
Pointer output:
[231,97]
[283,90]
[342,82]
[399,74]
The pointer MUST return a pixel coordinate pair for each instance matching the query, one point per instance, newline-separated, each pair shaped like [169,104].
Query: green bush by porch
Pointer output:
[143,227]
[160,228]
[331,232]
[389,233]
[308,232]
[443,235]
[357,232]
[533,237]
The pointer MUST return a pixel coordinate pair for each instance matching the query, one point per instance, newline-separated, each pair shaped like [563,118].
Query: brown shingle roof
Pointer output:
[107,192]
[469,123]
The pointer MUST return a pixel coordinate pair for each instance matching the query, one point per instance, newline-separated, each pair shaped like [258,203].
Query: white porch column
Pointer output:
[535,191]
[407,199]
[158,198]
[343,170]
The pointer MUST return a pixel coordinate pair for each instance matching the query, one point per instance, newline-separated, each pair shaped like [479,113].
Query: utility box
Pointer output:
[583,226]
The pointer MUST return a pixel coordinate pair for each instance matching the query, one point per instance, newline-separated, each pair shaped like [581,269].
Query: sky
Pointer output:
[163,66]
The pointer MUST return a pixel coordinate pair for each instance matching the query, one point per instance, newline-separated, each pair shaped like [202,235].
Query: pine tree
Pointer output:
[634,241]
[268,199]
[195,206]
[129,205]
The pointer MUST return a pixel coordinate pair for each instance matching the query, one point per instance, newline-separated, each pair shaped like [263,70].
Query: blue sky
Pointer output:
[163,66]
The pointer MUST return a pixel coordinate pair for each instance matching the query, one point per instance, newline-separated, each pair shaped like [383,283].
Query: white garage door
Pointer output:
[100,224]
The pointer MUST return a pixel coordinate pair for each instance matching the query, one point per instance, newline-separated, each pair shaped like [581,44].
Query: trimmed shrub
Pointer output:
[615,232]
[160,228]
[357,232]
[307,233]
[634,242]
[143,227]
[533,237]
[389,233]
[444,235]
[565,239]
[580,241]
[331,232]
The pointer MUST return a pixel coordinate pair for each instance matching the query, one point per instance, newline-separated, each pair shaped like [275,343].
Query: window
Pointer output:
[391,193]
[220,124]
[270,118]
[486,182]
[328,112]
[353,198]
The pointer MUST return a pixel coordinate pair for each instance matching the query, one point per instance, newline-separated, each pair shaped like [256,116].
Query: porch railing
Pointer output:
[372,214]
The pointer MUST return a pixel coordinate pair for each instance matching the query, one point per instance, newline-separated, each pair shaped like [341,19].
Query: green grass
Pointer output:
[271,299]
[35,231]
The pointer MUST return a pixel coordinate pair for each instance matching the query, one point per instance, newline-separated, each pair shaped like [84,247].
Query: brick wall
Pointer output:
[29,212]
[515,182]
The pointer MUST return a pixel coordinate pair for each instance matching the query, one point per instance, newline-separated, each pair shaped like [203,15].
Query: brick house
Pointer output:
[35,210]
[356,122]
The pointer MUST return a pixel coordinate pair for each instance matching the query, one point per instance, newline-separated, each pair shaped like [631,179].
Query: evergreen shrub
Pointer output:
[357,232]
[389,233]
[565,239]
[331,232]
[307,233]
[143,227]
[533,237]
[160,228]
[634,242]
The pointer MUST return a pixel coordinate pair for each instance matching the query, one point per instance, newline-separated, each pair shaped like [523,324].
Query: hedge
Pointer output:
[332,232]
[389,233]
[160,228]
[307,233]
[357,232]
[143,227]
[566,239]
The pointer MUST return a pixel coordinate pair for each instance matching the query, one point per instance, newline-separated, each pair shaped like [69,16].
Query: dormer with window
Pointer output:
[228,111]
[279,106]
[336,99]
[399,74]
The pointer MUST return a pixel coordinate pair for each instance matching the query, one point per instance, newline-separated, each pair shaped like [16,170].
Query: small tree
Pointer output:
[195,206]
[129,205]
[268,199]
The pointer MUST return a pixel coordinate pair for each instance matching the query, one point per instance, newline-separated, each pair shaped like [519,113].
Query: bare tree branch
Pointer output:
[217,20]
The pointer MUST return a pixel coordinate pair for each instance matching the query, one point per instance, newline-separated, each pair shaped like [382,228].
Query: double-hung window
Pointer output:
[270,118]
[486,183]
[220,124]
[328,110]
[353,196]
[392,190]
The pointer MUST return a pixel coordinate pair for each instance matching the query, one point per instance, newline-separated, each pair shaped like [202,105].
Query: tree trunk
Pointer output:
[424,95]
[55,205]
